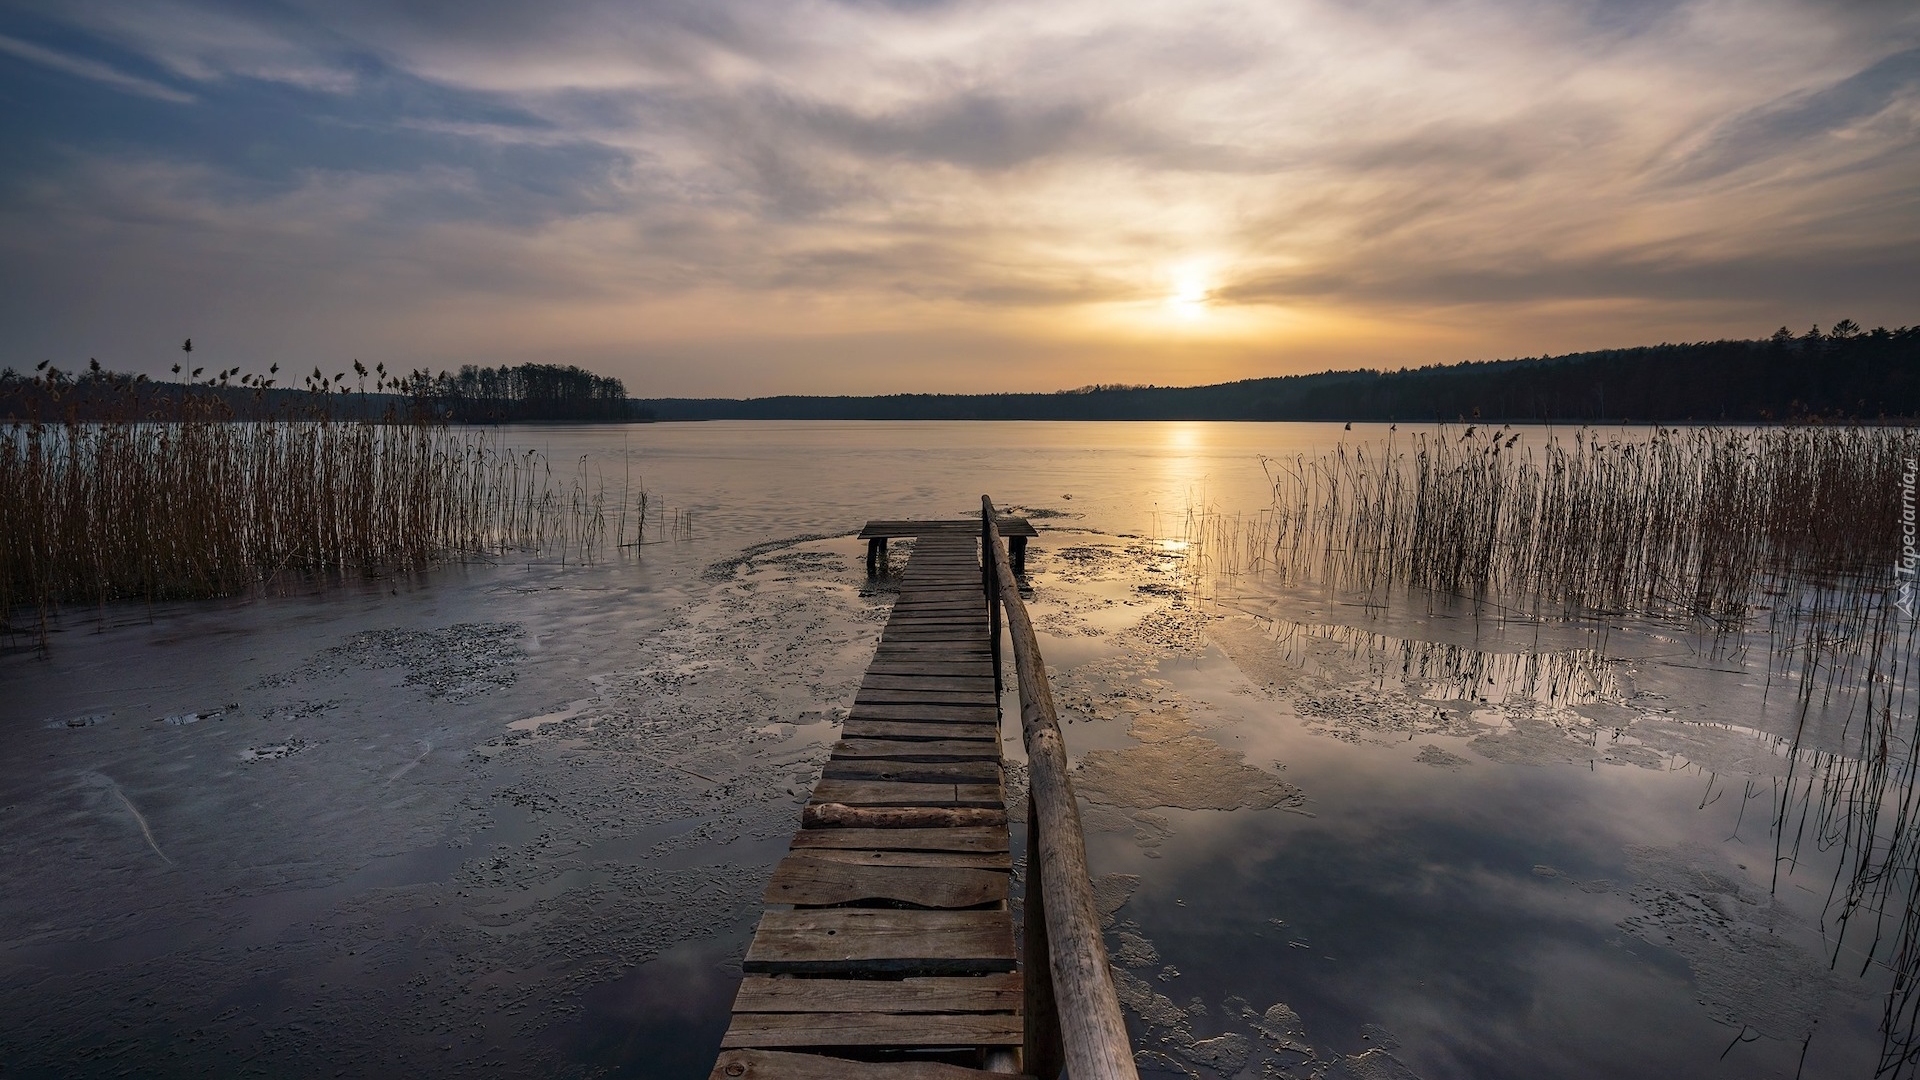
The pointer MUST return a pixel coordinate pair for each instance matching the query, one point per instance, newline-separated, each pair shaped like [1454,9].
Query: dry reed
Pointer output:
[1709,526]
[1695,523]
[92,512]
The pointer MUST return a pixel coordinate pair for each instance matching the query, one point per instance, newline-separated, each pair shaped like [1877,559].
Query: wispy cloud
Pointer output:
[91,69]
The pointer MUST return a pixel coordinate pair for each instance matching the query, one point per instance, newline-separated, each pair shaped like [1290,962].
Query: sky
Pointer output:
[747,197]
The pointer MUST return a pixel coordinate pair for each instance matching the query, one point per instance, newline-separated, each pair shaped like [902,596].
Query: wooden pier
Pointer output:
[887,949]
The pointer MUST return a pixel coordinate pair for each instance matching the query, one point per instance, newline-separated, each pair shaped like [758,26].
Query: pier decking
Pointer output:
[886,951]
[888,935]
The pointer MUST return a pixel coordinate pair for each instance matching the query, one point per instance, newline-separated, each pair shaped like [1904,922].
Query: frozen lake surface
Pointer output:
[518,816]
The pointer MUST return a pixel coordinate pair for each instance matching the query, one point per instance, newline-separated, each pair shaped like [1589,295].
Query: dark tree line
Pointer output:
[528,392]
[1844,374]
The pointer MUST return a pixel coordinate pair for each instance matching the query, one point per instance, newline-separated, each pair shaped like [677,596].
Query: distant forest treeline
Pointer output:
[1844,374]
[529,392]
[1847,373]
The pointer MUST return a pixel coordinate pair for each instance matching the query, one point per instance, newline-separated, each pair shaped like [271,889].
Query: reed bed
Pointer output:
[1793,533]
[1697,523]
[103,511]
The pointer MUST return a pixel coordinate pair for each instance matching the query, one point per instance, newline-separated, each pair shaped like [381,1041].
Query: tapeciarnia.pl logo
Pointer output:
[1903,570]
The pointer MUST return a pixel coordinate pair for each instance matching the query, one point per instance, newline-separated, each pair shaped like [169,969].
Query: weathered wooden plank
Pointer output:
[975,705]
[978,650]
[947,994]
[986,771]
[954,598]
[937,606]
[778,1065]
[911,750]
[755,1064]
[902,651]
[934,731]
[880,940]
[975,683]
[976,840]
[805,880]
[934,669]
[890,793]
[818,815]
[962,655]
[922,713]
[977,860]
[938,695]
[941,528]
[920,1030]
[937,698]
[934,666]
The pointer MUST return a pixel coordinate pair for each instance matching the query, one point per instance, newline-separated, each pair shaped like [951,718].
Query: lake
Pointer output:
[518,814]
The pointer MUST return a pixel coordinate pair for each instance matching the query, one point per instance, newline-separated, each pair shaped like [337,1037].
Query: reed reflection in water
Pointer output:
[1782,539]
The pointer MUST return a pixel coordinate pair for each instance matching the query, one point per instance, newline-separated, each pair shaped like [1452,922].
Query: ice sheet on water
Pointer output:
[457,662]
[1748,968]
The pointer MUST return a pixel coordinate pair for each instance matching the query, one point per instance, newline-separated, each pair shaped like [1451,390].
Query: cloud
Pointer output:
[1393,180]
[1788,124]
[92,69]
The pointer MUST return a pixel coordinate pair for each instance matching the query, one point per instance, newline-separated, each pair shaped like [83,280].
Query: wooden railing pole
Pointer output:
[1093,1033]
[991,582]
[1042,1054]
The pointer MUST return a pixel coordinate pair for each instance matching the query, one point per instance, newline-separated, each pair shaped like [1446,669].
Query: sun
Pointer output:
[1190,294]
